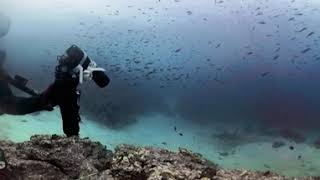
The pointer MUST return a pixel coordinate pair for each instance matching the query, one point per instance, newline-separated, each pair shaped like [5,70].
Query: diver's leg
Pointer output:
[21,105]
[69,109]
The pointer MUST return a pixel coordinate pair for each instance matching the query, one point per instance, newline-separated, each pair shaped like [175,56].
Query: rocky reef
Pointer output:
[57,157]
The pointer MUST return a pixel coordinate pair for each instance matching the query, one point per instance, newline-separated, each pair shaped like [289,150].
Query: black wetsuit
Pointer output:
[64,93]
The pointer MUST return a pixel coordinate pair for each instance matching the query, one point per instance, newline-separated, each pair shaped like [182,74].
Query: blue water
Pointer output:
[230,75]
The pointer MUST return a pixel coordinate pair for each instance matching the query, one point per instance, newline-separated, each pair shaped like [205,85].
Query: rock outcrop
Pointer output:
[57,157]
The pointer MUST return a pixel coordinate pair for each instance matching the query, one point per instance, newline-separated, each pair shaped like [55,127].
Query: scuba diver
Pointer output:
[74,67]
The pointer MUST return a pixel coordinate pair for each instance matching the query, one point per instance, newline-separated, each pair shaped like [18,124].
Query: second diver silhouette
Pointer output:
[74,67]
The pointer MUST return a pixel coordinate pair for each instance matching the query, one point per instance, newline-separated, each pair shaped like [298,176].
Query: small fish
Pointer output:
[291,19]
[310,34]
[291,148]
[218,2]
[180,134]
[305,50]
[189,12]
[262,22]
[249,53]
[164,143]
[178,50]
[218,45]
[265,74]
[299,157]
[224,154]
[276,57]
[303,29]
[175,128]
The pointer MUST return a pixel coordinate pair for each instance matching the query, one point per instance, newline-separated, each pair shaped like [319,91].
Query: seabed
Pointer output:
[255,153]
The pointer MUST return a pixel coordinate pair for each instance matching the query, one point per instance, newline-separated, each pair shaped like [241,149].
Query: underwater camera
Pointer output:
[76,61]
